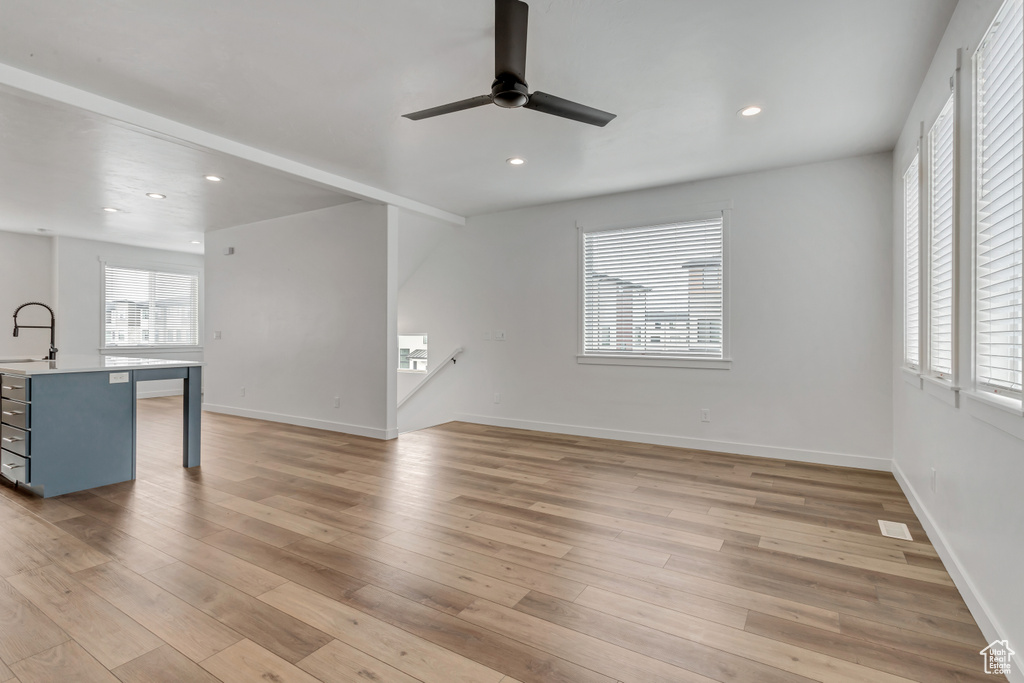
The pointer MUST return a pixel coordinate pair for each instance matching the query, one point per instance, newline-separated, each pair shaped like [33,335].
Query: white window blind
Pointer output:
[940,251]
[654,291]
[150,308]
[998,240]
[912,264]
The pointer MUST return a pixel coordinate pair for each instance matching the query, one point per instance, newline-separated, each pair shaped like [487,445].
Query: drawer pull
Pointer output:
[9,439]
[10,388]
[12,466]
[13,412]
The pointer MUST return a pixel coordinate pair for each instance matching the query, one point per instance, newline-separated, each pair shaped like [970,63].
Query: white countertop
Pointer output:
[87,363]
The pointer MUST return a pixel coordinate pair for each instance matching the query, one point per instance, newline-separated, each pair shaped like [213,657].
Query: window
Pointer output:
[941,243]
[412,352]
[998,241]
[144,307]
[912,264]
[654,293]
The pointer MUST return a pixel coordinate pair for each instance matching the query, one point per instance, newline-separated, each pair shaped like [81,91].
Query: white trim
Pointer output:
[954,361]
[942,390]
[145,264]
[983,615]
[924,273]
[328,425]
[654,361]
[158,393]
[440,421]
[971,122]
[693,212]
[450,358]
[1005,403]
[865,462]
[152,266]
[120,350]
[917,158]
[911,376]
[1002,413]
[179,132]
[689,212]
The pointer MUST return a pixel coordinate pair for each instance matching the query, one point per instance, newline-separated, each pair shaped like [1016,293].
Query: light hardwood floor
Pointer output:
[475,554]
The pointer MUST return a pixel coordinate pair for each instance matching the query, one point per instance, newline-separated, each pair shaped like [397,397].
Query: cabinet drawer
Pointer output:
[15,467]
[15,413]
[18,388]
[14,440]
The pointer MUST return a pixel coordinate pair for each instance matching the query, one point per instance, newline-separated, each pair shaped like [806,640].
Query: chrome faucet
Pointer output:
[52,326]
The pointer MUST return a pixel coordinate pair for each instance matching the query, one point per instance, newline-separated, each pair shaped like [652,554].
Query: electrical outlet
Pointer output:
[337,401]
[217,335]
[497,397]
[705,414]
[934,477]
[242,392]
[499,335]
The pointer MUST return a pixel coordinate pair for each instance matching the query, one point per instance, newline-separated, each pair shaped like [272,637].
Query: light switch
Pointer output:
[119,378]
[499,335]
[216,335]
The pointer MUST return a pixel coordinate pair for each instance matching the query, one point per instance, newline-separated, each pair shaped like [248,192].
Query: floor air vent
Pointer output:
[895,530]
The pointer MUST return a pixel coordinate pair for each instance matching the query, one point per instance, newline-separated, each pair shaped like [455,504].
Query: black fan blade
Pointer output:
[510,19]
[449,108]
[549,104]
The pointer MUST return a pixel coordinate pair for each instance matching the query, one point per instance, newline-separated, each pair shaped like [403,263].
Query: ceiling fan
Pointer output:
[509,89]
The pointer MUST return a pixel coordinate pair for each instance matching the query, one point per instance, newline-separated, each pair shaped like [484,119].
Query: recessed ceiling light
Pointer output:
[750,111]
[110,209]
[156,195]
[196,242]
[213,178]
[516,161]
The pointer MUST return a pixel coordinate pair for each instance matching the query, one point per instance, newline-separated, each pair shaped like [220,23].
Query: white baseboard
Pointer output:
[159,393]
[864,462]
[989,625]
[428,425]
[357,430]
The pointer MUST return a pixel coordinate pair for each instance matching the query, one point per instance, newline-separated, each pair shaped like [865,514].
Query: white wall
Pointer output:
[418,238]
[26,262]
[303,307]
[976,513]
[810,316]
[36,266]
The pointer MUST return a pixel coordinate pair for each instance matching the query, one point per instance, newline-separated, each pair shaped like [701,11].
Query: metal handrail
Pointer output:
[430,375]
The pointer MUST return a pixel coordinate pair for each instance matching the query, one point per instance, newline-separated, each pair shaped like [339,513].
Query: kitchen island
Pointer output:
[69,424]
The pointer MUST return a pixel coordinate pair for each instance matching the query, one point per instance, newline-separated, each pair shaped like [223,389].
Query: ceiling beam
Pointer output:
[168,128]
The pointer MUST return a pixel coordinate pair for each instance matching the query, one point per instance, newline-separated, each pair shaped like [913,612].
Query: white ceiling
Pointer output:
[60,166]
[324,82]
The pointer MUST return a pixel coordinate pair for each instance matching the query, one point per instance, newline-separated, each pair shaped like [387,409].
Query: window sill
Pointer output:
[412,372]
[701,363]
[911,377]
[1002,413]
[115,350]
[1005,403]
[942,389]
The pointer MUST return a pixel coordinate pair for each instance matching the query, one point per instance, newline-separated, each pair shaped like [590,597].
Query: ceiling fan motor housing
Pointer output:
[507,91]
